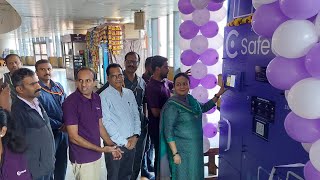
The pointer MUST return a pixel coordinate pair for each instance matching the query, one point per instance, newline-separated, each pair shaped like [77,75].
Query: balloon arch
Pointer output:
[294,26]
[200,40]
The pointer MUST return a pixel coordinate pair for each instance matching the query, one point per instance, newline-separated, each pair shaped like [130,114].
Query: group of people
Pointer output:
[131,114]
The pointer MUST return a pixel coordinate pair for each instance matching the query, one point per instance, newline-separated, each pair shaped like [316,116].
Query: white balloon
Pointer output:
[304,98]
[286,92]
[306,146]
[201,16]
[206,144]
[199,4]
[215,69]
[294,38]
[204,119]
[186,17]
[184,44]
[218,15]
[199,44]
[258,3]
[317,24]
[216,42]
[314,155]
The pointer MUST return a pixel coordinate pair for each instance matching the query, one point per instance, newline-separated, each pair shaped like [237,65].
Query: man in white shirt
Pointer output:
[121,119]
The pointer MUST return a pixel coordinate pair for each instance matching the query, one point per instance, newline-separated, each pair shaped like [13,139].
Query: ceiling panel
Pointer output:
[61,16]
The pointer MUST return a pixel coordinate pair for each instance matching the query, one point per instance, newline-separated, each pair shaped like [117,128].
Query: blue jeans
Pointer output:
[61,142]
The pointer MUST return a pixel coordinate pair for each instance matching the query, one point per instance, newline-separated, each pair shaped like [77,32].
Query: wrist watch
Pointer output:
[217,96]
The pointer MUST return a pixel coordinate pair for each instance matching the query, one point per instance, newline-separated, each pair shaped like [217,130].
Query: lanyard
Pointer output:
[52,92]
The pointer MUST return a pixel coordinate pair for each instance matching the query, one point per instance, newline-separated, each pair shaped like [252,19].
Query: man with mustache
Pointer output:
[13,63]
[137,85]
[33,123]
[52,96]
[121,119]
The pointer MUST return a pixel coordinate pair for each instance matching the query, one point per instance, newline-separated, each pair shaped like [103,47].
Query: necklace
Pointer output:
[52,92]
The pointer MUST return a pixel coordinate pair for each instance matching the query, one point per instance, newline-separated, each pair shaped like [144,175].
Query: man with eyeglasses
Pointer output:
[137,85]
[121,119]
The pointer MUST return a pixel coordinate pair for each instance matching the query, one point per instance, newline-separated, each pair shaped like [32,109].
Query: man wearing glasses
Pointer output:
[121,119]
[137,85]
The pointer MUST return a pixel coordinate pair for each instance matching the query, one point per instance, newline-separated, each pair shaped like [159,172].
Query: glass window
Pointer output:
[43,48]
[163,36]
[37,49]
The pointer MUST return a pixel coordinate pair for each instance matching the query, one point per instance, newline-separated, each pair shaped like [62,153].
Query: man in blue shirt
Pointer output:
[121,119]
[51,97]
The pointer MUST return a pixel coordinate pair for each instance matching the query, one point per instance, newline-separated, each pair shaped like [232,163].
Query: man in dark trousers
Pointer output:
[34,124]
[52,96]
[157,93]
[137,85]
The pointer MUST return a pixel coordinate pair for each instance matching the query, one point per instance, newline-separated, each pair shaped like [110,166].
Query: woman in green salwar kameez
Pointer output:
[181,136]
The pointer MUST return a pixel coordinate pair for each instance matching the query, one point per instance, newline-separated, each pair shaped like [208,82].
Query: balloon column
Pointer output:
[295,29]
[199,42]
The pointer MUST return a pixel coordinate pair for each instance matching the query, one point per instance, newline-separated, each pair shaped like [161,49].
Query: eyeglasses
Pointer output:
[119,76]
[131,62]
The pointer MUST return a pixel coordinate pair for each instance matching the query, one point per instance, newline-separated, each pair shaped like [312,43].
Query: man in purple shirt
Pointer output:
[82,116]
[157,93]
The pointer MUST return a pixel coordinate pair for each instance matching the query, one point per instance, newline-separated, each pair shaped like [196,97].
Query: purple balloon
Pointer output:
[188,29]
[200,93]
[189,58]
[312,19]
[210,29]
[302,130]
[312,61]
[185,6]
[210,130]
[211,110]
[262,24]
[194,82]
[283,73]
[209,57]
[310,172]
[217,1]
[297,9]
[213,6]
[209,82]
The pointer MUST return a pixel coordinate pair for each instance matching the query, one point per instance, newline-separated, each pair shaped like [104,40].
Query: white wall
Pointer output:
[7,41]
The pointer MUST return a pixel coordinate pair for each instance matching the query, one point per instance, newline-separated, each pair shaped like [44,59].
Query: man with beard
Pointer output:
[52,96]
[157,93]
[33,123]
[13,63]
